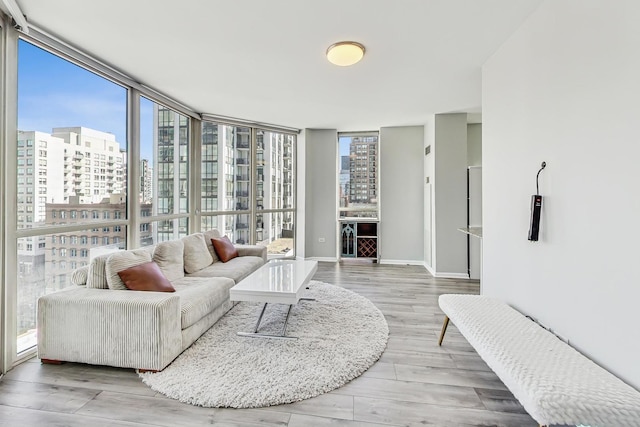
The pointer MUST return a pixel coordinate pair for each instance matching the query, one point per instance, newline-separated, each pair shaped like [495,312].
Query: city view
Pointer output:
[76,178]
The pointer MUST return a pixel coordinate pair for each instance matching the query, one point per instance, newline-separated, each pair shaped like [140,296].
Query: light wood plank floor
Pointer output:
[414,383]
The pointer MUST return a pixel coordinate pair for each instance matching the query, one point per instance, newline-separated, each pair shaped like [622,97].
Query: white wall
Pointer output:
[401,194]
[474,144]
[565,89]
[321,157]
[450,194]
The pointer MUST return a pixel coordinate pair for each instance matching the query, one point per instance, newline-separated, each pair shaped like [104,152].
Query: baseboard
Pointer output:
[445,275]
[401,262]
[323,259]
[429,269]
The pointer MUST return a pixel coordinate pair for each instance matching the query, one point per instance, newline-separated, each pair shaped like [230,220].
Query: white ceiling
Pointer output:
[265,60]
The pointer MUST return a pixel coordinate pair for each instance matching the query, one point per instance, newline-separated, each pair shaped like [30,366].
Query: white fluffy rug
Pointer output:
[340,335]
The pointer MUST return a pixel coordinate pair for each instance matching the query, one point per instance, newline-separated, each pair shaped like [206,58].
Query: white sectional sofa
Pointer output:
[101,322]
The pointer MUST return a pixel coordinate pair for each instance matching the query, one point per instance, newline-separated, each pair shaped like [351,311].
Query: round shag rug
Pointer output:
[340,335]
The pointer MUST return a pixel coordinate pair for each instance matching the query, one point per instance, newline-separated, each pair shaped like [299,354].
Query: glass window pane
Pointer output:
[164,159]
[154,232]
[276,232]
[235,227]
[226,167]
[81,164]
[45,264]
[274,167]
[358,175]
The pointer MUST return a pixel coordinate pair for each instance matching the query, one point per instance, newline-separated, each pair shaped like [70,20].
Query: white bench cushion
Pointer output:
[554,383]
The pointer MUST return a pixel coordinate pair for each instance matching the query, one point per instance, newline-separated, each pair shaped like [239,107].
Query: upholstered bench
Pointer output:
[554,383]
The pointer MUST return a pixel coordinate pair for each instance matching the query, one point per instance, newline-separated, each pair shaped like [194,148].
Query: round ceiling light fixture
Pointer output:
[345,53]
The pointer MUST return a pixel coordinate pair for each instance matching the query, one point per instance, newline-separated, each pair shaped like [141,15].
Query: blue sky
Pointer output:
[55,93]
[344,145]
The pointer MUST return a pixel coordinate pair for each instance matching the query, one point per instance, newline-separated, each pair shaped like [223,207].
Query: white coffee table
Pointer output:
[276,282]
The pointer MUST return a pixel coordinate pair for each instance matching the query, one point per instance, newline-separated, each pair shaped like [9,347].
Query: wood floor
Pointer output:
[414,383]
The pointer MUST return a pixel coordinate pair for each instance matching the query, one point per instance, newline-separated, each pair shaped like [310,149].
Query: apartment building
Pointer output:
[363,154]
[41,171]
[146,181]
[94,163]
[170,170]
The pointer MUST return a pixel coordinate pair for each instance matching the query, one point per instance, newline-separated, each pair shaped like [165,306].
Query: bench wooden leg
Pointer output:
[444,329]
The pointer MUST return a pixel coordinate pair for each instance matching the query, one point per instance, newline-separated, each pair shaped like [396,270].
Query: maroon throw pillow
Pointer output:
[224,248]
[145,277]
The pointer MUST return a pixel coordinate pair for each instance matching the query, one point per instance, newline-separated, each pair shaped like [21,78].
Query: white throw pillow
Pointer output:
[170,258]
[196,254]
[122,260]
[79,276]
[97,277]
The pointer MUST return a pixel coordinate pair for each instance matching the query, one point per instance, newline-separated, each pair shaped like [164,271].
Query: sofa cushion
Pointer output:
[208,235]
[97,277]
[224,248]
[196,254]
[122,260]
[145,277]
[236,269]
[79,276]
[169,257]
[199,296]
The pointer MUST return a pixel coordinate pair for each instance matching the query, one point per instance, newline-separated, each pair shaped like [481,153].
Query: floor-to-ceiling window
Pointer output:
[70,176]
[275,202]
[226,193]
[164,173]
[247,185]
[358,174]
[86,175]
[358,194]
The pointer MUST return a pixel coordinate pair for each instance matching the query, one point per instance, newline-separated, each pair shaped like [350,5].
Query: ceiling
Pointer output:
[265,60]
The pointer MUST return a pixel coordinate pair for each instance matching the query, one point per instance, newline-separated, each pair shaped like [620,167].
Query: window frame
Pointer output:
[375,209]
[134,221]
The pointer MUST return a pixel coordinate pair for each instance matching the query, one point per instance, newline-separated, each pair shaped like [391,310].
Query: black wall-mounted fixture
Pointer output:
[536,207]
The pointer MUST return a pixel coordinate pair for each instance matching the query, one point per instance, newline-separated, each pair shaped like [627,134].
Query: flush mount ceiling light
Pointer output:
[345,53]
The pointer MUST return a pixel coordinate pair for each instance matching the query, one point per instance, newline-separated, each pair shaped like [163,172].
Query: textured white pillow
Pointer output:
[122,260]
[208,235]
[196,254]
[97,277]
[79,276]
[169,257]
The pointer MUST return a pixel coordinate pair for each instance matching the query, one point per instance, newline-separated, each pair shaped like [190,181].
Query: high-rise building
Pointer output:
[71,161]
[344,181]
[363,153]
[93,164]
[274,185]
[41,173]
[226,171]
[146,181]
[171,170]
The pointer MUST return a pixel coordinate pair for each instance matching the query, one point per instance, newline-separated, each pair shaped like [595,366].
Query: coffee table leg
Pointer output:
[284,328]
[260,318]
